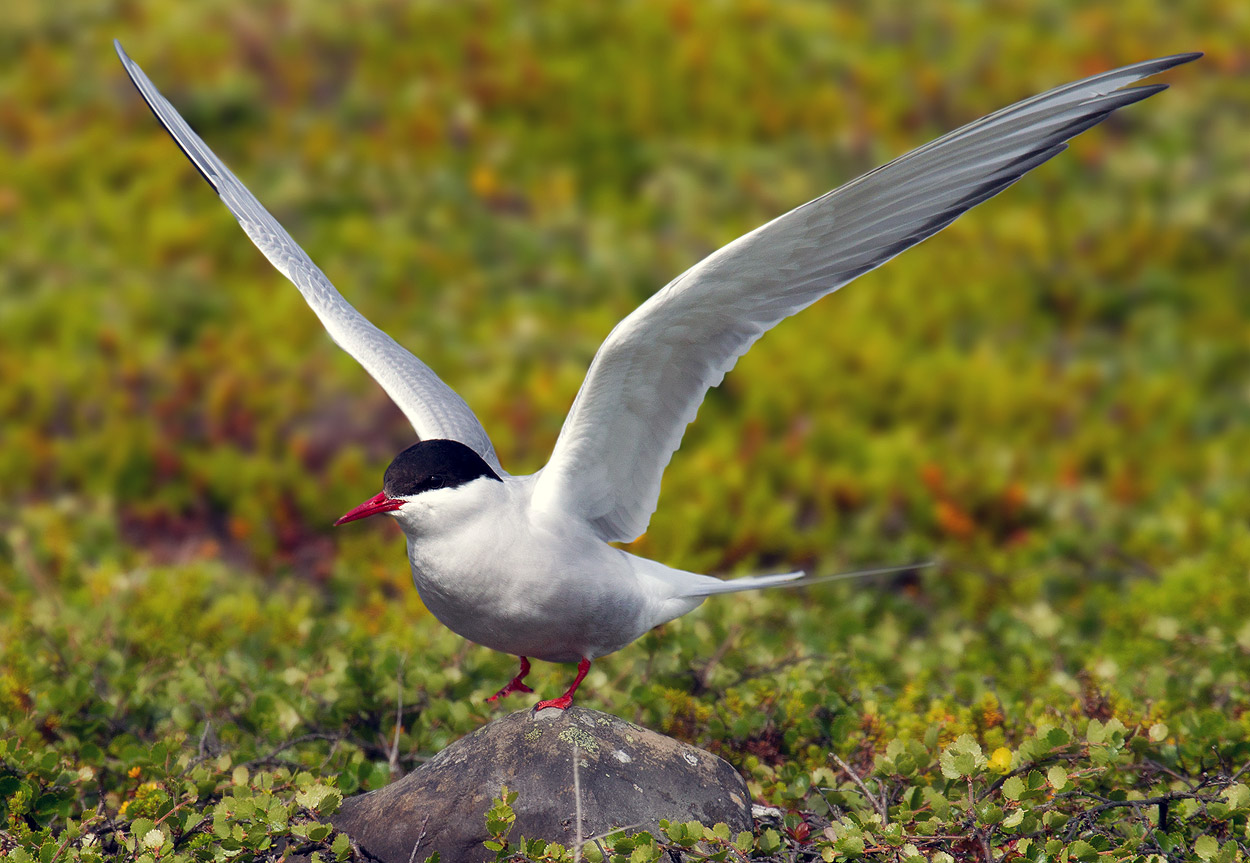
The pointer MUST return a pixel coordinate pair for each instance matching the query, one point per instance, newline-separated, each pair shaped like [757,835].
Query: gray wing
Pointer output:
[433,408]
[649,377]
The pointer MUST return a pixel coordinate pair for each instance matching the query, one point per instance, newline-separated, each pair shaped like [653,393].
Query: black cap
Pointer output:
[433,464]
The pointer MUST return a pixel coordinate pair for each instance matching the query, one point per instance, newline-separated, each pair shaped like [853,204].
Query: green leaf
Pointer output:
[962,758]
[989,814]
[769,842]
[1013,788]
[644,854]
[852,844]
[1237,795]
[311,796]
[329,802]
[1058,777]
[1083,851]
[931,737]
[1206,847]
[1057,737]
[938,803]
[1114,732]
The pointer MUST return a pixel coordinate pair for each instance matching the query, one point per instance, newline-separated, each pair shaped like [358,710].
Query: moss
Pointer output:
[580,738]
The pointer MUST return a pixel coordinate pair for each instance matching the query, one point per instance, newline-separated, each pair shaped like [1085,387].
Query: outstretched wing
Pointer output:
[433,408]
[649,377]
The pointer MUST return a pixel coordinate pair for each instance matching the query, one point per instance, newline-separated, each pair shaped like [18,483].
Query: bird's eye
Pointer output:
[436,482]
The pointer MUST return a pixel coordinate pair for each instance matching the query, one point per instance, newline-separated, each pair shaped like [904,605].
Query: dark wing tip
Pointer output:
[1162,64]
[1179,59]
[153,99]
[1128,95]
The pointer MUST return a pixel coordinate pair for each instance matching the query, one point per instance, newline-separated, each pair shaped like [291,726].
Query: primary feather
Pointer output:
[435,410]
[649,377]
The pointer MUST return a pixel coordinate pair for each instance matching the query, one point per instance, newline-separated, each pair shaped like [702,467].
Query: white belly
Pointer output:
[529,593]
[525,583]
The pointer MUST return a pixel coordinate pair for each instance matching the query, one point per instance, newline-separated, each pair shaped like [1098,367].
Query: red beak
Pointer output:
[374,505]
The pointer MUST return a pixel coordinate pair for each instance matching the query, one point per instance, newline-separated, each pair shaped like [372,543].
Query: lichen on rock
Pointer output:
[629,777]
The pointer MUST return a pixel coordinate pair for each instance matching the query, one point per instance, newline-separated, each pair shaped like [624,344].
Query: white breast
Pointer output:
[497,574]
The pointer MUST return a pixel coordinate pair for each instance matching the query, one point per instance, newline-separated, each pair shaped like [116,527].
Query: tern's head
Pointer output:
[418,473]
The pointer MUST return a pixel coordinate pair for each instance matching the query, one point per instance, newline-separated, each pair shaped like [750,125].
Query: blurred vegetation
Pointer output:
[1050,398]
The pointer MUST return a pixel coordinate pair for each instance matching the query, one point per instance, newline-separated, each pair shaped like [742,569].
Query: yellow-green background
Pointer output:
[1052,397]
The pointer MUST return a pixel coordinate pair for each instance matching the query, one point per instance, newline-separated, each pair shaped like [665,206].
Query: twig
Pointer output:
[606,833]
[577,801]
[203,748]
[582,842]
[65,842]
[1163,768]
[1239,773]
[766,670]
[701,676]
[393,755]
[1020,771]
[304,738]
[412,858]
[876,804]
[1108,803]
[334,748]
[359,851]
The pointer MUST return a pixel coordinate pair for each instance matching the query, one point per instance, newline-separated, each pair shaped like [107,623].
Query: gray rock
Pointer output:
[629,777]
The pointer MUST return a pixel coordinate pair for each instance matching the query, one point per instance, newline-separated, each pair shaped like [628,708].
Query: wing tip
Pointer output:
[1128,95]
[122,55]
[143,84]
[1160,64]
[1181,59]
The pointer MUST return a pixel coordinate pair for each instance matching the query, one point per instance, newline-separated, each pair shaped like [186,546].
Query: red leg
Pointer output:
[516,684]
[566,699]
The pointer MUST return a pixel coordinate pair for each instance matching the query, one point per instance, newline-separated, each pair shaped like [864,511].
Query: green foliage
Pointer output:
[1088,805]
[499,821]
[191,809]
[1049,398]
[687,840]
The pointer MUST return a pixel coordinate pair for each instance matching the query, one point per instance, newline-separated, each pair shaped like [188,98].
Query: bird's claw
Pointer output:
[513,686]
[561,703]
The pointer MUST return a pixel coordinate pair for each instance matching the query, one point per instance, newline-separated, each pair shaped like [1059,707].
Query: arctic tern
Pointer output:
[523,564]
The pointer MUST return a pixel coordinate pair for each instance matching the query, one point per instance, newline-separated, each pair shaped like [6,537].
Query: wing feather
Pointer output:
[434,409]
[649,377]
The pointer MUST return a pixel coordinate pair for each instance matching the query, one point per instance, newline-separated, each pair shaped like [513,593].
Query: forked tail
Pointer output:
[714,586]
